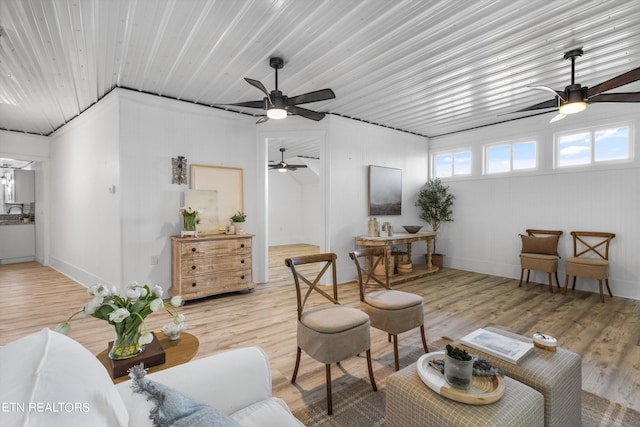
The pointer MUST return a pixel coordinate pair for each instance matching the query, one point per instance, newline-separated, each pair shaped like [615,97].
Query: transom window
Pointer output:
[454,163]
[593,146]
[507,157]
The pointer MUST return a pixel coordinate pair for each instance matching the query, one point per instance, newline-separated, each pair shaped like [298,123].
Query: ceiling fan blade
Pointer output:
[548,89]
[296,166]
[249,104]
[262,120]
[558,117]
[616,97]
[257,84]
[552,103]
[308,114]
[318,95]
[621,80]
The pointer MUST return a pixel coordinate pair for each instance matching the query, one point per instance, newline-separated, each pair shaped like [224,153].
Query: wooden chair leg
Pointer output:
[573,287]
[424,339]
[608,288]
[521,275]
[295,370]
[395,353]
[389,337]
[601,293]
[328,380]
[528,273]
[550,283]
[371,377]
[557,281]
[566,284]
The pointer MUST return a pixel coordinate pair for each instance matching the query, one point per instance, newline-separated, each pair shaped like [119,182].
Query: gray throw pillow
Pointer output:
[173,408]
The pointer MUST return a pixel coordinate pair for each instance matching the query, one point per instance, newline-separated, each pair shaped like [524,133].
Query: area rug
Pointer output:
[357,405]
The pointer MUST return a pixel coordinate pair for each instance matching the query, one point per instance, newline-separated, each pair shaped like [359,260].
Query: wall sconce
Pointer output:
[179,170]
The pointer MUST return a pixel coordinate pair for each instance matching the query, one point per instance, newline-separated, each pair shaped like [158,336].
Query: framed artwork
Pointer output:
[227,182]
[385,191]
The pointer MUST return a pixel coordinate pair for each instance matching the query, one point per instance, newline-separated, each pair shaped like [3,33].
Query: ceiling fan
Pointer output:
[283,166]
[574,98]
[278,106]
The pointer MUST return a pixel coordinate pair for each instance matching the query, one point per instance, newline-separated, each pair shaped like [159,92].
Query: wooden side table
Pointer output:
[176,353]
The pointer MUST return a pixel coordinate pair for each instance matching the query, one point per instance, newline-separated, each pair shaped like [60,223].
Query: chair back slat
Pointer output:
[324,262]
[591,243]
[366,261]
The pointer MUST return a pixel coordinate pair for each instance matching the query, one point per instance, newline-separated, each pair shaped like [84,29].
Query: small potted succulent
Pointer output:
[237,221]
[458,367]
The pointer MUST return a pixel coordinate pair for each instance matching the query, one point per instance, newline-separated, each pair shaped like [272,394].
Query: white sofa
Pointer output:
[49,379]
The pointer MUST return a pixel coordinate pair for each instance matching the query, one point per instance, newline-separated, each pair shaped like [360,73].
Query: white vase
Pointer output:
[239,227]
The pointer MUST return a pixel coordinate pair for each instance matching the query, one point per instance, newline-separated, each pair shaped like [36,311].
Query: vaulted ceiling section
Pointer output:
[426,67]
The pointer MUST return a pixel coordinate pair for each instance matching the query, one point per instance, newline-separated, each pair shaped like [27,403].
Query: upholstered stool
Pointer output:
[555,374]
[409,402]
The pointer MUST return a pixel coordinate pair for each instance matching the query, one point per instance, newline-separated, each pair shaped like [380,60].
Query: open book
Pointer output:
[497,345]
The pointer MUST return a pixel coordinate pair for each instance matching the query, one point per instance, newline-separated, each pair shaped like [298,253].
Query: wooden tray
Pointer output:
[484,390]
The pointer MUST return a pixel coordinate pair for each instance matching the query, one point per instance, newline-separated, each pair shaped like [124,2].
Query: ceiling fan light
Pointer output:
[572,107]
[276,113]
[282,169]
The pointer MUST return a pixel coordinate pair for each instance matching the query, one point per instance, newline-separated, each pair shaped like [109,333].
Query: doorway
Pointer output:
[294,198]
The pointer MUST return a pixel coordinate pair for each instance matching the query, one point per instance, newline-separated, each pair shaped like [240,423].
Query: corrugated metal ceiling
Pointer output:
[428,67]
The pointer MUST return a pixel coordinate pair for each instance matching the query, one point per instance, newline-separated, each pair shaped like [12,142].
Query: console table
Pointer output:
[408,239]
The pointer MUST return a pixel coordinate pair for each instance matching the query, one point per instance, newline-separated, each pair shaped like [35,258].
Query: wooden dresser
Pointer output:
[210,265]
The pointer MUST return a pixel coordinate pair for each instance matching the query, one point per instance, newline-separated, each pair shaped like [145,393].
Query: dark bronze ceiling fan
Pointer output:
[278,106]
[283,166]
[575,97]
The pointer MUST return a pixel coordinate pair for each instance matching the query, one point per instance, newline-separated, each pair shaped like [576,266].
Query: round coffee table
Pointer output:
[176,353]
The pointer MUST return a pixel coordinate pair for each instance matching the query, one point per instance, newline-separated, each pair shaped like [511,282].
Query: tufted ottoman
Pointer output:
[409,402]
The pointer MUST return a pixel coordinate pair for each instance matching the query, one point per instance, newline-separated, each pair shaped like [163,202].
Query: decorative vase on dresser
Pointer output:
[210,265]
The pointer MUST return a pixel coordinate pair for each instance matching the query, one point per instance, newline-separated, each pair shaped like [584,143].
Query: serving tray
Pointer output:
[483,390]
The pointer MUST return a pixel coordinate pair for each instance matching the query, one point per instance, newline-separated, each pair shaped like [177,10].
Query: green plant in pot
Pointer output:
[236,221]
[458,367]
[239,217]
[435,203]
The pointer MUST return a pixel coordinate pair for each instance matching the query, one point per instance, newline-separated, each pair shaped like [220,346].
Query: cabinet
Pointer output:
[25,186]
[210,265]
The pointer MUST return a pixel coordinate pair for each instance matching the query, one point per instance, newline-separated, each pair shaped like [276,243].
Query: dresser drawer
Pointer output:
[198,249]
[216,264]
[209,284]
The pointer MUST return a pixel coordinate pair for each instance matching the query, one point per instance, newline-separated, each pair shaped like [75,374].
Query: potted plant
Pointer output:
[236,219]
[458,367]
[435,201]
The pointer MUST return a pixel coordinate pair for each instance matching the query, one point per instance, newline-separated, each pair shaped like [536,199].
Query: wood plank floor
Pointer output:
[607,336]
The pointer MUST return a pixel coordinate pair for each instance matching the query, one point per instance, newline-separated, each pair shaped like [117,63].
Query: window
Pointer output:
[457,163]
[500,158]
[588,147]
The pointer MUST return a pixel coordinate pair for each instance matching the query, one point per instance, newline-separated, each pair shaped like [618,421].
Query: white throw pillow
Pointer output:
[48,379]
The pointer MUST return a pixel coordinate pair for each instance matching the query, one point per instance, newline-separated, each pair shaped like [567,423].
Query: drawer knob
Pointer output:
[193,249]
[242,277]
[193,267]
[242,245]
[241,261]
[193,285]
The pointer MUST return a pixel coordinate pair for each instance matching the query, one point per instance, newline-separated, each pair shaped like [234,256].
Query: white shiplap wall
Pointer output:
[490,211]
